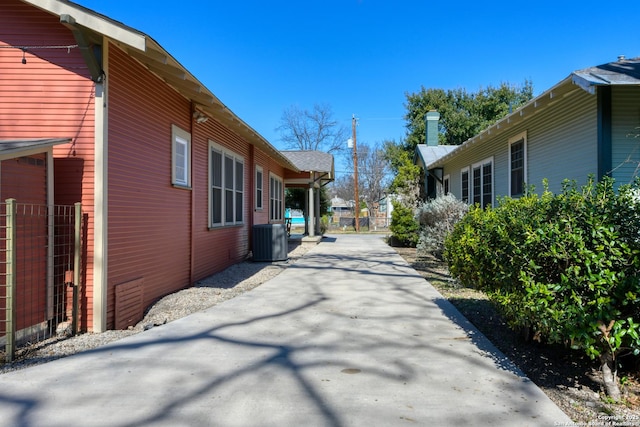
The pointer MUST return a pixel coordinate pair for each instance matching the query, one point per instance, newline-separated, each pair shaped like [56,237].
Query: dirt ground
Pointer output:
[570,379]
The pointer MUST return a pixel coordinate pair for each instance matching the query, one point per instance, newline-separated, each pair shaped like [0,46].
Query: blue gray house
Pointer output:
[587,124]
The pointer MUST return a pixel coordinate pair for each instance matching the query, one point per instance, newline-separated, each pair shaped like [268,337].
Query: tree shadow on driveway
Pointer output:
[345,337]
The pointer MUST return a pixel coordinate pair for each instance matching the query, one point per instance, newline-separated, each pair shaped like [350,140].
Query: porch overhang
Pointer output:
[12,148]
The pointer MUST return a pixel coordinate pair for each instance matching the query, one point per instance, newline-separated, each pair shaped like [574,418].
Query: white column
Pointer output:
[318,213]
[312,212]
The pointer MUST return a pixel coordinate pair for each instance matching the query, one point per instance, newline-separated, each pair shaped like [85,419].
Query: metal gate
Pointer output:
[40,272]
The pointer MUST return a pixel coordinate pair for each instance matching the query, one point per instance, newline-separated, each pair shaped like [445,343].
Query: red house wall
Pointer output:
[157,232]
[159,240]
[149,220]
[25,179]
[216,248]
[51,96]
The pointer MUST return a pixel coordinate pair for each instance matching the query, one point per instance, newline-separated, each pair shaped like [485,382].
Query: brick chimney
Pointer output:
[432,128]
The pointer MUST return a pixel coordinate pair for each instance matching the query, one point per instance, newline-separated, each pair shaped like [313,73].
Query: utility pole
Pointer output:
[355,172]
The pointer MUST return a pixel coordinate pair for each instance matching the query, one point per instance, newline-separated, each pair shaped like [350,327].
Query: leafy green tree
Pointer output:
[406,187]
[404,226]
[406,181]
[462,114]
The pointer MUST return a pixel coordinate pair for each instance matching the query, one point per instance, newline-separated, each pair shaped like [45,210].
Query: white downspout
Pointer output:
[100,254]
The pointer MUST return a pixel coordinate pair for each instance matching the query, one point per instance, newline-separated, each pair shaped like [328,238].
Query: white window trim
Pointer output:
[259,198]
[180,137]
[280,213]
[521,136]
[462,171]
[236,159]
[493,173]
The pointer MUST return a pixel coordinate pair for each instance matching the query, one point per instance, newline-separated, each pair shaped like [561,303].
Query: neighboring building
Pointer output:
[431,181]
[383,210]
[587,124]
[315,170]
[170,180]
[340,208]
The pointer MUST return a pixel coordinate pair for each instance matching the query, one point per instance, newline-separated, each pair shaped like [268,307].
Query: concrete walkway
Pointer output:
[347,336]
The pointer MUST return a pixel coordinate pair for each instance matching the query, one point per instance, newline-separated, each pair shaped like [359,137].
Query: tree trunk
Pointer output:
[610,376]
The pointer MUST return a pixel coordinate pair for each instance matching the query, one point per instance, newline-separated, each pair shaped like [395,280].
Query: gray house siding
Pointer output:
[587,124]
[562,142]
[625,134]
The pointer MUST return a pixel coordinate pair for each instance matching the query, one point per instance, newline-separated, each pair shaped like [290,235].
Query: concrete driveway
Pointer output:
[348,336]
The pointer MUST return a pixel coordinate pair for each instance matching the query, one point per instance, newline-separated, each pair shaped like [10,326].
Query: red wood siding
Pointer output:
[49,96]
[269,166]
[25,179]
[149,223]
[217,248]
[156,233]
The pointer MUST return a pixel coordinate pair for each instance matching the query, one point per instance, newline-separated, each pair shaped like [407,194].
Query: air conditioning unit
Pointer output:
[270,242]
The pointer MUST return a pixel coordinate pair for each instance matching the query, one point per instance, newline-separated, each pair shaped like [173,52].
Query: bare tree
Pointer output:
[342,187]
[373,172]
[302,129]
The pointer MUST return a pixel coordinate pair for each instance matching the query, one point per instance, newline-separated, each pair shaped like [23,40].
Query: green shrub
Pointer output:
[565,267]
[404,228]
[324,224]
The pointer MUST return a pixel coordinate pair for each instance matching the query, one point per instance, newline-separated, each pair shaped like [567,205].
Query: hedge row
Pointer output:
[564,266]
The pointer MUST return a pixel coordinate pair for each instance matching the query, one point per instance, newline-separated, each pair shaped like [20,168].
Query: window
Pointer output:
[464,180]
[226,188]
[259,185]
[517,164]
[482,182]
[180,157]
[275,198]
[445,185]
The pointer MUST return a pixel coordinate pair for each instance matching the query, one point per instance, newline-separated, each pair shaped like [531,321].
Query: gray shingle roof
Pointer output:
[311,161]
[621,72]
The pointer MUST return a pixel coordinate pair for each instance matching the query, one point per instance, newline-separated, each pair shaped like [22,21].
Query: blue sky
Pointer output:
[362,56]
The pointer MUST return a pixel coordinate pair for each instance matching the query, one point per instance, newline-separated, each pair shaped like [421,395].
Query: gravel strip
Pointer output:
[215,289]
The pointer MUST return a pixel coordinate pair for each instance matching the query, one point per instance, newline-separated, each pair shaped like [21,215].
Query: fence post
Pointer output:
[77,239]
[11,249]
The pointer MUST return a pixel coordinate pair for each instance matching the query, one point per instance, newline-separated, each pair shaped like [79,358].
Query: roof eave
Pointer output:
[32,146]
[156,59]
[90,19]
[539,103]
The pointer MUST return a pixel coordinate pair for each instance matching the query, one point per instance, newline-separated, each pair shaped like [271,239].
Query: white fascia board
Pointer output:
[583,83]
[93,21]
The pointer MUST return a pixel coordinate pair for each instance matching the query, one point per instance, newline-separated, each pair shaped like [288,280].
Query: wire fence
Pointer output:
[365,223]
[40,272]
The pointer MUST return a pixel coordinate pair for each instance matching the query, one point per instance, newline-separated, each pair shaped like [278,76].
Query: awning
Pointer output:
[11,148]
